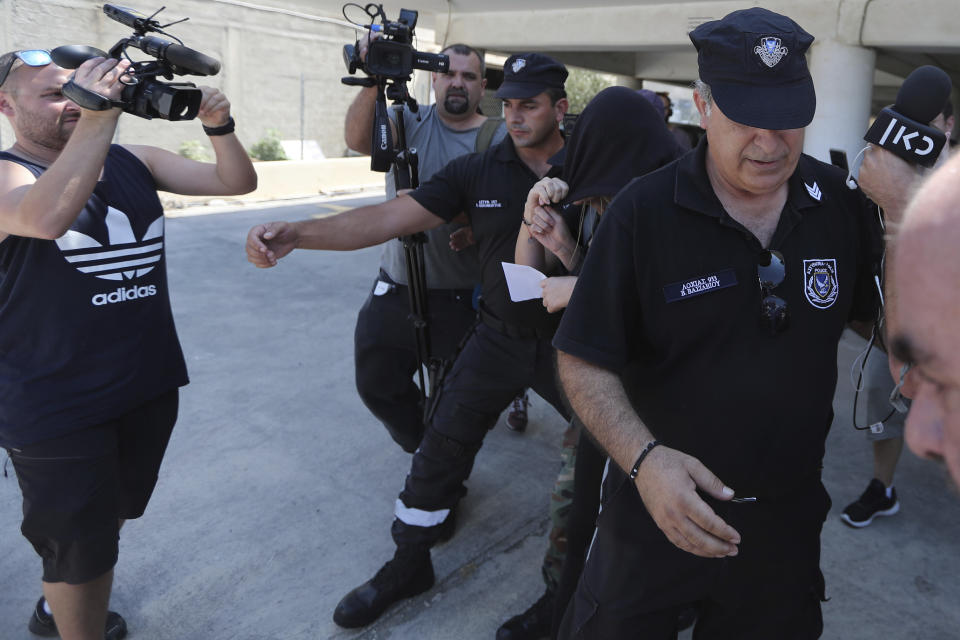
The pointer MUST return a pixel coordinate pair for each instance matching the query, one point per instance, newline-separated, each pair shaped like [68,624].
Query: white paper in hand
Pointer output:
[523,281]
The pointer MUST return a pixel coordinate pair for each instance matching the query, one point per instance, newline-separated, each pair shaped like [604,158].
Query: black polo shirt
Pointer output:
[491,187]
[669,294]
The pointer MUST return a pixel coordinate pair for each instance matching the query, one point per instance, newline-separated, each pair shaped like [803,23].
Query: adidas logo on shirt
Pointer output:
[123,258]
[122,295]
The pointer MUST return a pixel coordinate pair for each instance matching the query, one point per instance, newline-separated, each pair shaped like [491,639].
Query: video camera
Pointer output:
[143,94]
[392,54]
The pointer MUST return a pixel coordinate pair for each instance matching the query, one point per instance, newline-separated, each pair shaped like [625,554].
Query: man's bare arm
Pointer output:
[231,174]
[46,207]
[358,125]
[354,229]
[668,479]
[890,182]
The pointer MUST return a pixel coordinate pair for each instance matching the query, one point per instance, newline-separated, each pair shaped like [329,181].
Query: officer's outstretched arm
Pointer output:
[354,229]
[231,174]
[668,479]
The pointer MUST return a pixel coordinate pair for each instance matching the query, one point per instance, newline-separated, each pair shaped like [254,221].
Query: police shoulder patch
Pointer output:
[821,285]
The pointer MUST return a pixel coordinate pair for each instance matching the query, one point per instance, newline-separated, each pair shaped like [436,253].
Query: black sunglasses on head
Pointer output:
[30,57]
[771,271]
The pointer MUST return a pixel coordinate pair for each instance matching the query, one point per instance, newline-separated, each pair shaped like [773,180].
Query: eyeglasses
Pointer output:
[773,309]
[30,57]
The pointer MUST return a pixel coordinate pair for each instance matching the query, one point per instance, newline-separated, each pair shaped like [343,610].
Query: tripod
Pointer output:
[404,161]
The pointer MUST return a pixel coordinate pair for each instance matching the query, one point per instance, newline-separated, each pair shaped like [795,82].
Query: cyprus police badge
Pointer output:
[518,64]
[770,50]
[820,280]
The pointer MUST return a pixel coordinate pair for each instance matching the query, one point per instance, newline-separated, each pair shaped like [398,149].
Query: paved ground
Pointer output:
[277,491]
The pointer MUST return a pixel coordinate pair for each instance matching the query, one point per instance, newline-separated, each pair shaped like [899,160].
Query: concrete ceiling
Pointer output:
[647,38]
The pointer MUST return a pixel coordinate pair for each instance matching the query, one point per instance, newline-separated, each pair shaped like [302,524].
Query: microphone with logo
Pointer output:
[903,128]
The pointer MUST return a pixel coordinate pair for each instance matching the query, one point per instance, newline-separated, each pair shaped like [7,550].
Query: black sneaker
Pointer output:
[410,573]
[874,502]
[42,624]
[532,624]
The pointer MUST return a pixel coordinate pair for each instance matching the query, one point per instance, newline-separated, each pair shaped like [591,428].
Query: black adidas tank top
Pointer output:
[86,330]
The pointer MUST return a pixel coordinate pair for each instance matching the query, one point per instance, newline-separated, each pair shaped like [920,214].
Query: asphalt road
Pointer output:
[277,491]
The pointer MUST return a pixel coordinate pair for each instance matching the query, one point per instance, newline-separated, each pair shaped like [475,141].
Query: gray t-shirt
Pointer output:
[436,144]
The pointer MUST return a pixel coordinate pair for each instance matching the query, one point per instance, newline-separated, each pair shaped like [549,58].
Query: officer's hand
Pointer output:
[667,483]
[889,181]
[461,238]
[267,243]
[214,108]
[544,192]
[549,190]
[102,75]
[557,292]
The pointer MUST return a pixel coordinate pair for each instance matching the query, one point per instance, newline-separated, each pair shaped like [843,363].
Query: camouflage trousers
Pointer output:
[561,502]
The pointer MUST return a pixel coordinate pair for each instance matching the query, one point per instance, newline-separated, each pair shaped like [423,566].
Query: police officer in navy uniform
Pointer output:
[507,351]
[699,348]
[90,363]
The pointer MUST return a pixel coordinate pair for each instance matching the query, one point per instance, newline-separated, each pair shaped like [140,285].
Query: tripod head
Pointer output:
[384,151]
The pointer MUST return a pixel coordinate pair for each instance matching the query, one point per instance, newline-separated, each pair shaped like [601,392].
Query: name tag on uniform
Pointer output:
[491,203]
[699,286]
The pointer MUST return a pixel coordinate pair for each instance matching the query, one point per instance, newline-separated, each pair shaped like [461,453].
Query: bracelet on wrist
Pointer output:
[222,130]
[643,454]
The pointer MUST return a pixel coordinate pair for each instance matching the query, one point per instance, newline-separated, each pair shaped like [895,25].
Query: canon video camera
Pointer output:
[392,54]
[143,94]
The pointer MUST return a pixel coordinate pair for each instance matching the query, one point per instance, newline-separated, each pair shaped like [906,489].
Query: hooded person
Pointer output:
[618,137]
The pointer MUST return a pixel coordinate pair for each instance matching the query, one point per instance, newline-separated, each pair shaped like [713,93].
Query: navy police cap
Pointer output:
[526,75]
[754,62]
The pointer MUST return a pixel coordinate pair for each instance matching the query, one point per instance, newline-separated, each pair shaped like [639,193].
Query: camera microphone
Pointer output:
[904,128]
[185,58]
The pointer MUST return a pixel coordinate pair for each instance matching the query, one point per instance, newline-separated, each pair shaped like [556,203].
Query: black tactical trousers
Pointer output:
[487,375]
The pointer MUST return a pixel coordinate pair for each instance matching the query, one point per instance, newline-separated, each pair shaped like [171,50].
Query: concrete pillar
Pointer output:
[843,77]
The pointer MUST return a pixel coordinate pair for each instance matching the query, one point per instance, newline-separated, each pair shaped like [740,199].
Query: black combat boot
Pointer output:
[409,573]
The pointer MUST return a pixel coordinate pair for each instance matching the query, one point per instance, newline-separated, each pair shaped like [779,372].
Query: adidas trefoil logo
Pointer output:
[125,258]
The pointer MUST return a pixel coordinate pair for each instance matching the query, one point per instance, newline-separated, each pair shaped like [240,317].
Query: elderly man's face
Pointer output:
[749,161]
[925,330]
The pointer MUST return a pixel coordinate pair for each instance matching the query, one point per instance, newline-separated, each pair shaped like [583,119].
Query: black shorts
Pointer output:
[76,488]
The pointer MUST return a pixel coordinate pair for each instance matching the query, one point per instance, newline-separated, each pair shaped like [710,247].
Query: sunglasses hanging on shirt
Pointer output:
[771,271]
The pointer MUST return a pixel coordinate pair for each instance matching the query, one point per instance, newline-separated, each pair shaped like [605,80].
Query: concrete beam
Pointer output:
[619,62]
[675,66]
[922,25]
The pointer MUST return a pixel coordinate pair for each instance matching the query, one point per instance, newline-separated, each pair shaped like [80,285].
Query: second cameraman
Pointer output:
[385,349]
